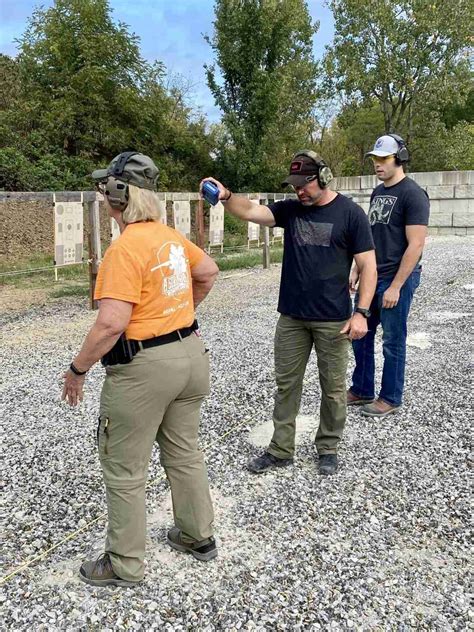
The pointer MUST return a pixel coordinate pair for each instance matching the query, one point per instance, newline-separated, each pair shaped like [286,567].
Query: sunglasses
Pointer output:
[309,179]
[101,187]
[382,159]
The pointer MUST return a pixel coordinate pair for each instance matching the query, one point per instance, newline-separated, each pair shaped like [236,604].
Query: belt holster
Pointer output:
[122,352]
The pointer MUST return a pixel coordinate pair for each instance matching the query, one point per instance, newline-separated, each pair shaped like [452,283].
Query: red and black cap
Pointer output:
[303,169]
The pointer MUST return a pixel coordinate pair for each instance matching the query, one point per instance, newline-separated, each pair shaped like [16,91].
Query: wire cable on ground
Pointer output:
[72,535]
[33,270]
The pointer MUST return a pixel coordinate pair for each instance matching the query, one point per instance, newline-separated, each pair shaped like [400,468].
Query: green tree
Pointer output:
[265,87]
[80,74]
[79,92]
[406,54]
[361,125]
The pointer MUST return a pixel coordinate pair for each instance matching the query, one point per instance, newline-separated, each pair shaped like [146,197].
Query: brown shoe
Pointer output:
[379,409]
[100,573]
[355,400]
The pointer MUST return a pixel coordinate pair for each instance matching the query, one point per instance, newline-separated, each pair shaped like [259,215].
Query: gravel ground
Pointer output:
[381,545]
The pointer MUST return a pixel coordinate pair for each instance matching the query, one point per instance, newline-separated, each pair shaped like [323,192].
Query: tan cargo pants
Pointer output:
[155,397]
[294,340]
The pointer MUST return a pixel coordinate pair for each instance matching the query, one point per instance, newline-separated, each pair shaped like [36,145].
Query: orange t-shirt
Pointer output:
[149,265]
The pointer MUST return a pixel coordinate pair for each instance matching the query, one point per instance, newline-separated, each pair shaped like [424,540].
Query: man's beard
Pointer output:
[311,201]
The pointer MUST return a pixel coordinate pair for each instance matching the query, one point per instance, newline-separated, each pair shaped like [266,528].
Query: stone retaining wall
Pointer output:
[451,195]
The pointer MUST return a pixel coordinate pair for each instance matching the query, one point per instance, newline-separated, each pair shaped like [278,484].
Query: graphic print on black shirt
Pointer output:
[391,210]
[312,233]
[319,245]
[381,209]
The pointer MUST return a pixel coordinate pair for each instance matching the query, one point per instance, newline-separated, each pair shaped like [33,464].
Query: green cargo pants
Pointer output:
[294,340]
[156,397]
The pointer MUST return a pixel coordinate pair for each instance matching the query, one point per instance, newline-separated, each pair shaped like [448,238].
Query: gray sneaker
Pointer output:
[266,462]
[204,550]
[327,464]
[100,573]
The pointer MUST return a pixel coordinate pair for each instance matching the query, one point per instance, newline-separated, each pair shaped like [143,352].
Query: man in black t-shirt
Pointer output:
[399,214]
[324,231]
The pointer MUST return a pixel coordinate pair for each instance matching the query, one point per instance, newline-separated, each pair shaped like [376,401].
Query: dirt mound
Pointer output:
[27,229]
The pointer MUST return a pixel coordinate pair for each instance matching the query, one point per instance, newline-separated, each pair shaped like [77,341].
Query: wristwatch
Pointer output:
[364,312]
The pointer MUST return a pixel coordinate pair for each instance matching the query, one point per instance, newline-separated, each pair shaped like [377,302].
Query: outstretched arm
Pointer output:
[242,207]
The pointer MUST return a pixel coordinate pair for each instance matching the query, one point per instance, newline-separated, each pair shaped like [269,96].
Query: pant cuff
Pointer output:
[357,394]
[280,455]
[120,570]
[387,401]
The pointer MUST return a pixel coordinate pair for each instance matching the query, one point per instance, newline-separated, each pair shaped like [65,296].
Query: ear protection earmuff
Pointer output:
[402,156]
[115,189]
[324,174]
[117,193]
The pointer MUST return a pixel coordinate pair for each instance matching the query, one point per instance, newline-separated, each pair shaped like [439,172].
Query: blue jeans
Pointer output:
[394,325]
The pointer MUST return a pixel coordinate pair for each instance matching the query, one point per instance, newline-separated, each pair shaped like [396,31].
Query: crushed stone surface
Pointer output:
[383,544]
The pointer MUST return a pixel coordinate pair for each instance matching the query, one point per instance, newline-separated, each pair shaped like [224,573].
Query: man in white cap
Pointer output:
[398,214]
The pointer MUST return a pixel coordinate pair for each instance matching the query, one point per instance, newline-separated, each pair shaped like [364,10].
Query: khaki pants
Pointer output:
[156,397]
[294,340]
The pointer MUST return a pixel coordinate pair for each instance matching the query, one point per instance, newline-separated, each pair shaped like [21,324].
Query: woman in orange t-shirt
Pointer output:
[157,373]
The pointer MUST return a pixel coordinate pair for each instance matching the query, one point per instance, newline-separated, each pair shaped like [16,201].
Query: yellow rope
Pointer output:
[72,535]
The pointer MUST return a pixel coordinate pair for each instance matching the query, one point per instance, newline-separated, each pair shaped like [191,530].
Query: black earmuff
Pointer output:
[402,156]
[324,174]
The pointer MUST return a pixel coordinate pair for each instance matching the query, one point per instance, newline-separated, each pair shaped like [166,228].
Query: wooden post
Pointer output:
[266,247]
[95,250]
[200,224]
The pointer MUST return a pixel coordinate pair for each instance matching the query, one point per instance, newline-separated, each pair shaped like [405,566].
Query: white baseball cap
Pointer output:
[384,146]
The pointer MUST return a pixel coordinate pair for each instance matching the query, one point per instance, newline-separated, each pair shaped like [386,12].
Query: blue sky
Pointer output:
[169,31]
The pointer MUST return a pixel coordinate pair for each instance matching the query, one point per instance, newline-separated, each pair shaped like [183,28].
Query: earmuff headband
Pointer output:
[402,154]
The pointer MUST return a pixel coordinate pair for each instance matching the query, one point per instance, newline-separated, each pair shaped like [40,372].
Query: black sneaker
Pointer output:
[266,462]
[327,464]
[203,550]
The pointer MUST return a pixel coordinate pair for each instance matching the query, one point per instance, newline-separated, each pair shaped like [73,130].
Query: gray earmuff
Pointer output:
[402,156]
[117,193]
[117,190]
[324,174]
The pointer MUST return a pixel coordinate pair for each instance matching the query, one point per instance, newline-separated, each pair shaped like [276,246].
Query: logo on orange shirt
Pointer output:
[173,267]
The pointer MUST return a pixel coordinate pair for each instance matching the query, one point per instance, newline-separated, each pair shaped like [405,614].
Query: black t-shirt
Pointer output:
[391,209]
[319,245]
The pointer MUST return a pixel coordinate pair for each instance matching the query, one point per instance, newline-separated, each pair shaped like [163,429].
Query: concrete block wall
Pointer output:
[451,196]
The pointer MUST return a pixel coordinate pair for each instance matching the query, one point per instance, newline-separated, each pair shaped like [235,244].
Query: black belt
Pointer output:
[173,336]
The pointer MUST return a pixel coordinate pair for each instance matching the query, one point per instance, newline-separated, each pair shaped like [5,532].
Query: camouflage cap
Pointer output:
[131,167]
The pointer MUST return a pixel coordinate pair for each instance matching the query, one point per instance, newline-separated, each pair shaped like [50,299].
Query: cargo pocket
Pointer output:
[97,433]
[103,435]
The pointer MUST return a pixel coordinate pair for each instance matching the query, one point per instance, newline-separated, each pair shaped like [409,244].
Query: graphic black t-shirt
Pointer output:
[391,209]
[320,242]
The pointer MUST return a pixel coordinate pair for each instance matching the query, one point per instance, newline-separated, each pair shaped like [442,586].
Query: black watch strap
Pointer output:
[364,312]
[76,371]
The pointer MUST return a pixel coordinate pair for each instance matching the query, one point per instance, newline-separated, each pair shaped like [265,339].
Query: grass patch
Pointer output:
[74,280]
[70,290]
[248,259]
[31,276]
